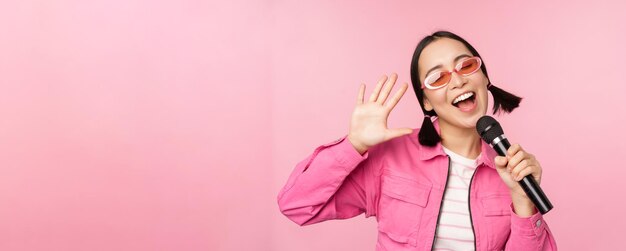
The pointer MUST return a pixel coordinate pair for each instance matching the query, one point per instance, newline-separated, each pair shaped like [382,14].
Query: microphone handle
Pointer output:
[528,183]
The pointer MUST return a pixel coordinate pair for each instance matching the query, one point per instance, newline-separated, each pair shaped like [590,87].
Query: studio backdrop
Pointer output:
[172,125]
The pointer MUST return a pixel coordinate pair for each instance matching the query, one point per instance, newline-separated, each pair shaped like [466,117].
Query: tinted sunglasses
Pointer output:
[465,67]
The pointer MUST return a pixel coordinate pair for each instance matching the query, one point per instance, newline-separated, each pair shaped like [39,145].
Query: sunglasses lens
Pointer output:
[438,79]
[469,66]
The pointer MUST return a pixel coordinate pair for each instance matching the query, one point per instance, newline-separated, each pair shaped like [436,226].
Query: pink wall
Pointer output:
[171,125]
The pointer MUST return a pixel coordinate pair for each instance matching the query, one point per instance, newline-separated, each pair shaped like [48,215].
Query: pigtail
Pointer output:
[503,101]
[428,135]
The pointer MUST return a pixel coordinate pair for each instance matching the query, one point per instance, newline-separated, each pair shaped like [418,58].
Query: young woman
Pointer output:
[438,187]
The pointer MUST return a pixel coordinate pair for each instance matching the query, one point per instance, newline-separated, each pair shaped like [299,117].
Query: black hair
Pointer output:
[502,100]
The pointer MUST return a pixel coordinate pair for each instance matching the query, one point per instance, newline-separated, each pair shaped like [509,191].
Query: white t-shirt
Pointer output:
[454,231]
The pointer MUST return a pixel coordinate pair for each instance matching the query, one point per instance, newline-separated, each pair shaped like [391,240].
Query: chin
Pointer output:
[470,122]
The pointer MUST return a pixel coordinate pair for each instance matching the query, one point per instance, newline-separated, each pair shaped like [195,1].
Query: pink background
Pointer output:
[171,125]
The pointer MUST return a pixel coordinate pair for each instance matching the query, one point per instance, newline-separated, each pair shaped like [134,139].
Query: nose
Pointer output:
[456,80]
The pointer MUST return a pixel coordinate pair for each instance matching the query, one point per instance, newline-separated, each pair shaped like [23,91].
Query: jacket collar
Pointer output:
[428,152]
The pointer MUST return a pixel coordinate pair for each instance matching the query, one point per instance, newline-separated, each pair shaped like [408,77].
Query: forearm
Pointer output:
[308,196]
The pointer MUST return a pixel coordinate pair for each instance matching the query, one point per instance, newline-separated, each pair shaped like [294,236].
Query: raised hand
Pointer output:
[368,125]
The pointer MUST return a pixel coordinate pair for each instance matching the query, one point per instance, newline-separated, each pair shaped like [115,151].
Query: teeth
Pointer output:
[462,97]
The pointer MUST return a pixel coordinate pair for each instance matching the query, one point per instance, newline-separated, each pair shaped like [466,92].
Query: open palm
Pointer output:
[368,125]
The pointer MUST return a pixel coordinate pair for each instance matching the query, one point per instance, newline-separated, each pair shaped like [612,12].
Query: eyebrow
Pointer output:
[439,66]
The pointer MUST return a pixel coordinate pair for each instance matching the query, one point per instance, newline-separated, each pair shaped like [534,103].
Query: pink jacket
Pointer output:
[402,183]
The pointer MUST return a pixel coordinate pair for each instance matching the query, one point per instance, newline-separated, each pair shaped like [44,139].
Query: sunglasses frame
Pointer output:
[456,69]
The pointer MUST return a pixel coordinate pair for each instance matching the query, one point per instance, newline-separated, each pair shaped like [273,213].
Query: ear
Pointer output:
[427,105]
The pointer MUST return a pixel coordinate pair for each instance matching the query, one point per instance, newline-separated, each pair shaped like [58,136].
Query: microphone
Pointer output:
[491,132]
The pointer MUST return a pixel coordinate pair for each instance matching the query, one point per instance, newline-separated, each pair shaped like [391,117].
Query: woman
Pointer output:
[438,187]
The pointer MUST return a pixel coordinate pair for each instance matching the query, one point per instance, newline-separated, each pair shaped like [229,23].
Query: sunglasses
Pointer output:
[440,79]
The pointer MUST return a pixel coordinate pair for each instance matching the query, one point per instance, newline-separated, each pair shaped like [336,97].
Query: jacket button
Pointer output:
[538,223]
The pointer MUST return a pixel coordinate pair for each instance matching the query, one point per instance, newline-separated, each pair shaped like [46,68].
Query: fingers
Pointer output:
[522,169]
[533,170]
[359,99]
[501,161]
[514,160]
[396,97]
[517,169]
[379,86]
[521,163]
[387,89]
[513,149]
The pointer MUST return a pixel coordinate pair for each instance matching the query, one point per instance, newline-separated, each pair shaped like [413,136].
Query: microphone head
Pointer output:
[488,128]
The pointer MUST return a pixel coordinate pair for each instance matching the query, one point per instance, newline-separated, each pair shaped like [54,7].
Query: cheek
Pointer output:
[481,81]
[438,98]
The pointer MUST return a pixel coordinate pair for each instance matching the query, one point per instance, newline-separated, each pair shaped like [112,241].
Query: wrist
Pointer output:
[522,205]
[357,145]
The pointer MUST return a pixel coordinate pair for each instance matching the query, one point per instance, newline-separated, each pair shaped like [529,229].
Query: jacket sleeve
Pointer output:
[334,182]
[529,233]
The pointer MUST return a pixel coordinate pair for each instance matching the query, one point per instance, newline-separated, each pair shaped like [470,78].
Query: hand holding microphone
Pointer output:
[521,165]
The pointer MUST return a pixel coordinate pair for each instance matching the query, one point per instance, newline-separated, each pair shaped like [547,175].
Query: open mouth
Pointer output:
[465,102]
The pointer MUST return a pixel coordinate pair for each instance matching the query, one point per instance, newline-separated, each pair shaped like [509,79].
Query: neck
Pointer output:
[463,141]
